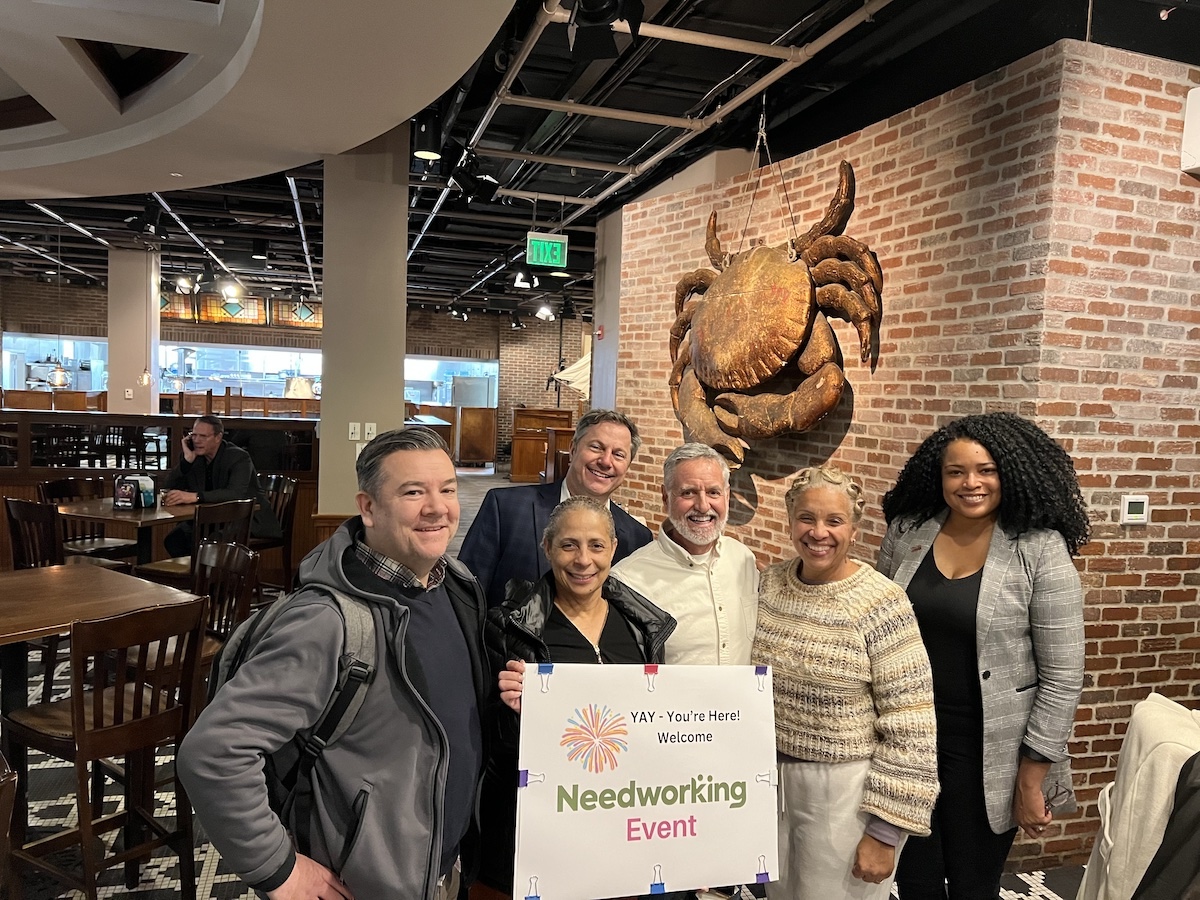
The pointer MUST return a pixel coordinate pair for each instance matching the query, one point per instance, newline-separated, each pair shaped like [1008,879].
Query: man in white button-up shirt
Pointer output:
[707,580]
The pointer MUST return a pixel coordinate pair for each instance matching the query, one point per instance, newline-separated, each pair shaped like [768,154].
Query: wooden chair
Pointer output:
[119,706]
[227,574]
[228,522]
[80,536]
[35,536]
[8,796]
[281,493]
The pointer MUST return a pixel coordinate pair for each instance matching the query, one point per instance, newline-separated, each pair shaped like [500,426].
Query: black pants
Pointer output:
[179,539]
[962,859]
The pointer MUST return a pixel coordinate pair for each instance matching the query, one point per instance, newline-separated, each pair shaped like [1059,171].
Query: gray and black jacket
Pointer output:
[377,804]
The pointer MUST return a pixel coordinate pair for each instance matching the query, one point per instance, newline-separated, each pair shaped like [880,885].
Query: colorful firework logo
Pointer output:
[594,736]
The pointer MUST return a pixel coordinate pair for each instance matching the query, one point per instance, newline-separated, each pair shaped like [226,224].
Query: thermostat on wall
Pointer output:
[1135,509]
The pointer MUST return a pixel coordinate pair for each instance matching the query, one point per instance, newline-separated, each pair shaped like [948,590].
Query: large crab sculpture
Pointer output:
[753,354]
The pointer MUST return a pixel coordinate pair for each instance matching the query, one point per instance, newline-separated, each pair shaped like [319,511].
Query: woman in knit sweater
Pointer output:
[854,721]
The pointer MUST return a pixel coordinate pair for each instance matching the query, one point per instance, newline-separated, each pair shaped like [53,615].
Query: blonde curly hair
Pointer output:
[827,476]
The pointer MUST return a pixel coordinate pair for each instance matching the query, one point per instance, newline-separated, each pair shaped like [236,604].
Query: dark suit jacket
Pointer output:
[233,478]
[505,540]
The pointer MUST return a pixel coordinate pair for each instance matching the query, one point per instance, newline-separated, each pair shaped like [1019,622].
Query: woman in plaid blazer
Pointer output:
[982,524]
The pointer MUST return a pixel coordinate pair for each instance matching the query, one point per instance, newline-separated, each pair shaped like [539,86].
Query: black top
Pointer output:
[945,610]
[568,645]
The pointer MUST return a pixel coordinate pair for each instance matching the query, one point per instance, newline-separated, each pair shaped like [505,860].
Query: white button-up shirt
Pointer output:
[713,597]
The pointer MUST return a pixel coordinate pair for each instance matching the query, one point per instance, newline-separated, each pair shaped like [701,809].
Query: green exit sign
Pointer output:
[546,249]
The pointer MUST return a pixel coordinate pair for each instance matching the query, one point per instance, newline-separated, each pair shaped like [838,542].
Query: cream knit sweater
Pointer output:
[852,681]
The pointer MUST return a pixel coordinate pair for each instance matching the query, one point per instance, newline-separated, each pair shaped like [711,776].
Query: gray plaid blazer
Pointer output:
[1029,646]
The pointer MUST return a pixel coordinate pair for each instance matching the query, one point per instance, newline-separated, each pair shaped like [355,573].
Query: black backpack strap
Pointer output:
[356,671]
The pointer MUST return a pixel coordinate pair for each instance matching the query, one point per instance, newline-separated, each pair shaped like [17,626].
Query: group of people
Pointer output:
[922,706]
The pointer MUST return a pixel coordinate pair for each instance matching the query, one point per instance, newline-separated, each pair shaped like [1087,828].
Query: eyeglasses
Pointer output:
[1059,794]
[202,436]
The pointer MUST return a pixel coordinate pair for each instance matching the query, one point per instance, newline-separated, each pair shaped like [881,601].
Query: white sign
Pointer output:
[644,779]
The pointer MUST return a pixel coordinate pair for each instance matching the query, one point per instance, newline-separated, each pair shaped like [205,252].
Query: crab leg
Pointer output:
[693,283]
[846,291]
[679,329]
[699,423]
[849,249]
[841,207]
[712,244]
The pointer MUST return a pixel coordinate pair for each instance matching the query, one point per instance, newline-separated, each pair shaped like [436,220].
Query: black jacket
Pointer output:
[514,631]
[233,478]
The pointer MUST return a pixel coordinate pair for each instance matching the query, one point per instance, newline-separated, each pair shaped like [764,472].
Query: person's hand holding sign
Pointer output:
[512,683]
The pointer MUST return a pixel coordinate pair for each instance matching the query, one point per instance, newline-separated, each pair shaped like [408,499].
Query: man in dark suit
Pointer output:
[505,540]
[211,471]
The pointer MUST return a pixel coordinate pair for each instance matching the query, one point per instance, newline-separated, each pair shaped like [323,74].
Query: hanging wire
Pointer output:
[761,142]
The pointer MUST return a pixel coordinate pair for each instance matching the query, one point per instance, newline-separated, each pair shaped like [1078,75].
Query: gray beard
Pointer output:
[688,532]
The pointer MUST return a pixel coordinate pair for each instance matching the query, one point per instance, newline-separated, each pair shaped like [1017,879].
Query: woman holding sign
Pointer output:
[574,614]
[854,722]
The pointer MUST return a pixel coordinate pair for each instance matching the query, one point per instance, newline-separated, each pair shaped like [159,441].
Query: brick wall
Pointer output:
[527,357]
[1040,252]
[31,307]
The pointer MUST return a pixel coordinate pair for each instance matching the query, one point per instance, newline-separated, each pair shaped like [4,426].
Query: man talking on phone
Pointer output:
[211,471]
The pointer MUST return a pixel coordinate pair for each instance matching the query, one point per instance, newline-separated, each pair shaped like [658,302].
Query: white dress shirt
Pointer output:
[713,597]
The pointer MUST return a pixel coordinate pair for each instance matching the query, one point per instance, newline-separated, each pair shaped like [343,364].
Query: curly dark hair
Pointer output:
[1039,488]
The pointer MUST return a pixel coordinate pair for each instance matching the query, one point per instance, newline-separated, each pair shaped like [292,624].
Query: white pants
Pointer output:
[820,826]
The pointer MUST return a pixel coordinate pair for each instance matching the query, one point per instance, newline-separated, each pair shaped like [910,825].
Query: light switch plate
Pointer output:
[358,448]
[128,393]
[369,431]
[355,434]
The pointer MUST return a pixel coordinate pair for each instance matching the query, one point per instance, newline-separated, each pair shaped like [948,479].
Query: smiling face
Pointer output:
[823,531]
[697,504]
[580,553]
[970,481]
[415,513]
[599,460]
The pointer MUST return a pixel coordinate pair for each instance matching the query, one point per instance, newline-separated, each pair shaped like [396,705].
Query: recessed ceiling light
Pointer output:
[176,174]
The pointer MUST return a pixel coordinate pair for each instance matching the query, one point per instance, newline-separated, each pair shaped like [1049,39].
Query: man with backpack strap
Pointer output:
[388,745]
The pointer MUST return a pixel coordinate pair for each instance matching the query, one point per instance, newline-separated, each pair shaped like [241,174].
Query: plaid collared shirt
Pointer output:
[390,570]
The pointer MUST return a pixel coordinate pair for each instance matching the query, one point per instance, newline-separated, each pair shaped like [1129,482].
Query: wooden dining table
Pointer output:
[35,603]
[143,520]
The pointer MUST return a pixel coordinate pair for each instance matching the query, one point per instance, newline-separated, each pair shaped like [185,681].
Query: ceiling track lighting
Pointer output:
[259,250]
[524,279]
[544,313]
[517,323]
[427,135]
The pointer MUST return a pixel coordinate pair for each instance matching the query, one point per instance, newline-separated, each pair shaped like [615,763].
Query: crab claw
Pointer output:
[699,423]
[757,416]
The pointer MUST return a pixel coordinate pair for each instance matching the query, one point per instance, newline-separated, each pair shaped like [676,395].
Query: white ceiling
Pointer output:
[266,86]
